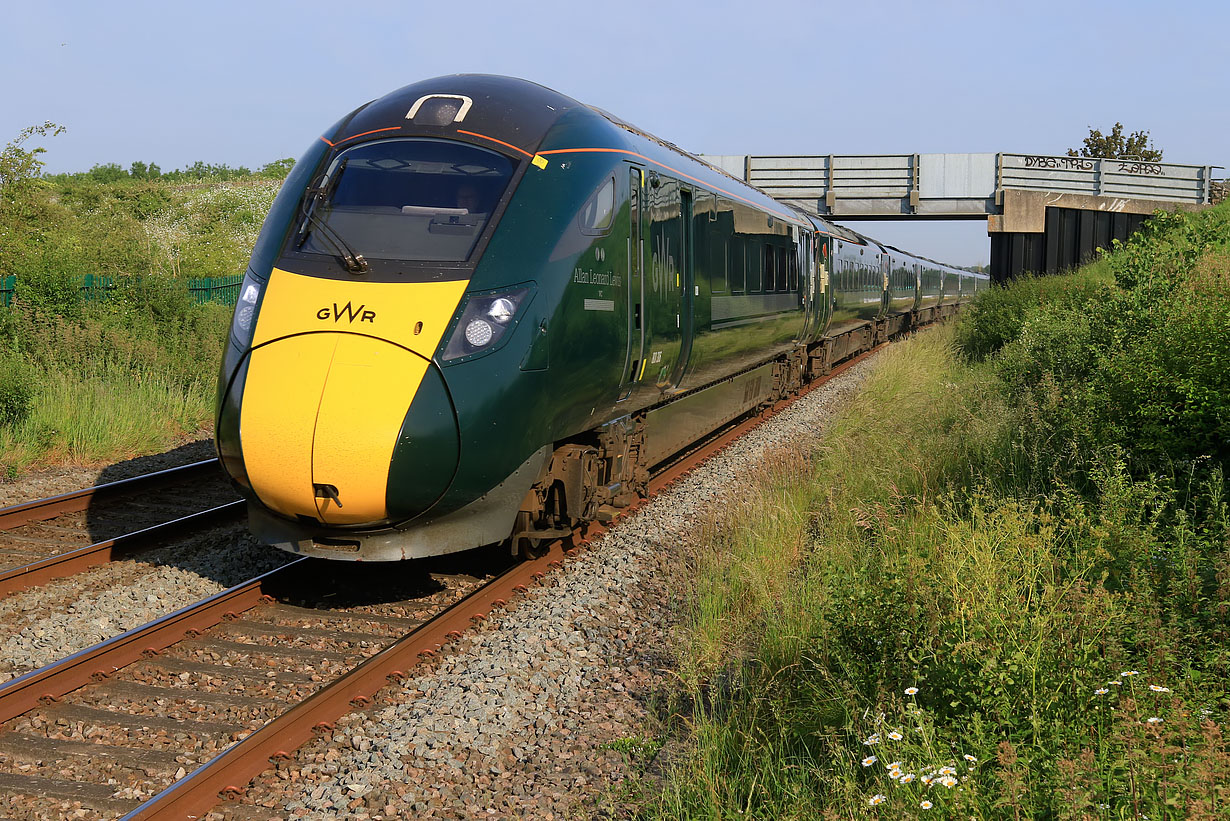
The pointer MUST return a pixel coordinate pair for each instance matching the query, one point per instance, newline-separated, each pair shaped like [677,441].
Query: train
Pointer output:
[482,312]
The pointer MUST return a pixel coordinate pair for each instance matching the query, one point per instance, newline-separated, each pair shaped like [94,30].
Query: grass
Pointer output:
[1003,570]
[99,382]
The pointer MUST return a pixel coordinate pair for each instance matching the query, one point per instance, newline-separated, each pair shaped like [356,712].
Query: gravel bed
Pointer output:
[51,621]
[524,719]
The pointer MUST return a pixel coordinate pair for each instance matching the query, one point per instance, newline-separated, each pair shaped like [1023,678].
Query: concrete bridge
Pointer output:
[1044,213]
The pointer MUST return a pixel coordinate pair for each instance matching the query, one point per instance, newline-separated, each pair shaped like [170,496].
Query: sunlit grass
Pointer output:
[904,582]
[96,420]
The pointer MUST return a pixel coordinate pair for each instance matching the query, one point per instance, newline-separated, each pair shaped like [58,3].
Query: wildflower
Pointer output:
[926,805]
[869,760]
[926,780]
[948,771]
[1158,689]
[896,765]
[911,691]
[970,758]
[874,739]
[907,778]
[948,781]
[1129,673]
[895,736]
[876,800]
[1115,683]
[1101,691]
[1154,720]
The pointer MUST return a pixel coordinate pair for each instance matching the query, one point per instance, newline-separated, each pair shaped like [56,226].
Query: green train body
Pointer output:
[479,310]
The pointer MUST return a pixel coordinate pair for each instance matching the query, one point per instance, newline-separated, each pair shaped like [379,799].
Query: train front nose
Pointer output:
[346,429]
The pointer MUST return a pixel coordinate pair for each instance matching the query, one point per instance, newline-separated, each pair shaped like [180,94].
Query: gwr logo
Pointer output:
[347,311]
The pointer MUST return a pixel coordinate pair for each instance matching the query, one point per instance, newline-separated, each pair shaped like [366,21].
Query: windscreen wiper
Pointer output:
[353,260]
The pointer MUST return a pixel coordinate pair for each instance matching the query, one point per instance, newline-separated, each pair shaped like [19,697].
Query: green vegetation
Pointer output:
[999,587]
[89,380]
[1115,146]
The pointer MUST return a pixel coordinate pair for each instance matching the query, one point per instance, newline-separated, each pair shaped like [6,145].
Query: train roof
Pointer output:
[507,110]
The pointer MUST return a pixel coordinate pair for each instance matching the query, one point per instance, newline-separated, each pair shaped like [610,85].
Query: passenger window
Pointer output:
[598,213]
[754,270]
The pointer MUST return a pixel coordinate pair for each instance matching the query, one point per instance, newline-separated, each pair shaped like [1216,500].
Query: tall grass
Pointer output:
[978,596]
[106,382]
[134,374]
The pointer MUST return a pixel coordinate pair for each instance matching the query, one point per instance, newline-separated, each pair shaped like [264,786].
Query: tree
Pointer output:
[1114,146]
[109,172]
[18,164]
[278,169]
[140,171]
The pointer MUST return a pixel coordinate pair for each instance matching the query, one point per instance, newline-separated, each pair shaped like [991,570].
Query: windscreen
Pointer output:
[419,200]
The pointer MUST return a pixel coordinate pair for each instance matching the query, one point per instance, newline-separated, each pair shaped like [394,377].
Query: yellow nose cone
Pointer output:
[334,368]
[325,409]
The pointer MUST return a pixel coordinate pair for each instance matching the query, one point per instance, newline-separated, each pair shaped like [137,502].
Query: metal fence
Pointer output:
[99,288]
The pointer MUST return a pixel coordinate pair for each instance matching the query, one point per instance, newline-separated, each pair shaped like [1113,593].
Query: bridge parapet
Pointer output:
[955,186]
[1127,179]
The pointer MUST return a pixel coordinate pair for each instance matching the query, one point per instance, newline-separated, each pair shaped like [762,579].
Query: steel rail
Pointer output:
[76,561]
[48,684]
[41,509]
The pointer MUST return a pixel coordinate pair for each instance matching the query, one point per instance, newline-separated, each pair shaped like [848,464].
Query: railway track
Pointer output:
[66,534]
[167,720]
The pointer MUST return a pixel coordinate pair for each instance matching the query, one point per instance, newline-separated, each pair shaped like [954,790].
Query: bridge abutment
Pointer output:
[1042,232]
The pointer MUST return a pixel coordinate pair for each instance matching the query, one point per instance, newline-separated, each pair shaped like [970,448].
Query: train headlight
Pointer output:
[485,320]
[245,310]
[502,310]
[479,333]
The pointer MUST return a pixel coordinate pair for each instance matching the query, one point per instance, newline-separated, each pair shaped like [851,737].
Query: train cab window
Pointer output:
[598,213]
[409,199]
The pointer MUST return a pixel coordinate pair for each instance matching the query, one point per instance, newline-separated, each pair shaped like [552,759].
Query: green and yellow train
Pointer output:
[480,311]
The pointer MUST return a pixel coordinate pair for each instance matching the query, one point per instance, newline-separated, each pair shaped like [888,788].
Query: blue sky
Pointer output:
[244,83]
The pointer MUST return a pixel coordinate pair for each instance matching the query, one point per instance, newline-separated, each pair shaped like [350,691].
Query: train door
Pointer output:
[634,363]
[824,286]
[886,262]
[685,280]
[664,298]
[807,281]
